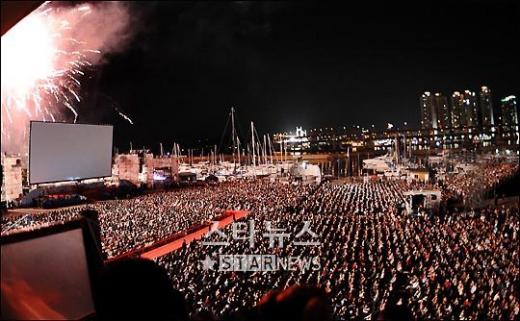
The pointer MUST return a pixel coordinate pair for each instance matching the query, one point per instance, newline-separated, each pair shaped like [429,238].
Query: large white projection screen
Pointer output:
[65,152]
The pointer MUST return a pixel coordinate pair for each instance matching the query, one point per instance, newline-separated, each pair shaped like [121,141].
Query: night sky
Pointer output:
[285,64]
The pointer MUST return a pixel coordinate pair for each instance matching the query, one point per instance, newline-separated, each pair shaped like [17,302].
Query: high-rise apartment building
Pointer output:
[486,107]
[509,111]
[458,115]
[442,111]
[428,118]
[470,108]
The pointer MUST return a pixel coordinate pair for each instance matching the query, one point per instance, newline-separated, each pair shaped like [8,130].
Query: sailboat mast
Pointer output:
[238,151]
[285,152]
[253,143]
[248,153]
[270,147]
[233,135]
[258,151]
[281,149]
[265,150]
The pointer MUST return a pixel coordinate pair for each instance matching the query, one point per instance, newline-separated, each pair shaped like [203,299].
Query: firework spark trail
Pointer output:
[124,116]
[44,57]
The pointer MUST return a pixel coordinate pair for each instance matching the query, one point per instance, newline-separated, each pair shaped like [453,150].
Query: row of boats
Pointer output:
[226,171]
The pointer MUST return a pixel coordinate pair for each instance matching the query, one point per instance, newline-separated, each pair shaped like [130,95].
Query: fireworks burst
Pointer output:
[44,57]
[38,70]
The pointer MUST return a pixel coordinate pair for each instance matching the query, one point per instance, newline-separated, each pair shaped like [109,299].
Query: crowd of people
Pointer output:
[368,254]
[133,223]
[463,267]
[469,185]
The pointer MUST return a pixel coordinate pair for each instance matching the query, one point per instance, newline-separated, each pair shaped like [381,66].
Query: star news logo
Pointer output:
[260,263]
[208,263]
[275,238]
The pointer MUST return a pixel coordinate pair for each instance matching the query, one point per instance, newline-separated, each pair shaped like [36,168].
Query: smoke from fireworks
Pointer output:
[45,56]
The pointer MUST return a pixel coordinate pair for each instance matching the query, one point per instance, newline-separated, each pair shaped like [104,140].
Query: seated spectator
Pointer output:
[297,303]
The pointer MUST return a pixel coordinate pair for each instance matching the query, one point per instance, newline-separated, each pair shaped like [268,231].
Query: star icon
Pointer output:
[208,263]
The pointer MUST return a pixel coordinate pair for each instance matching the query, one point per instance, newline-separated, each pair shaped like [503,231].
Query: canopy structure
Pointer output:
[423,199]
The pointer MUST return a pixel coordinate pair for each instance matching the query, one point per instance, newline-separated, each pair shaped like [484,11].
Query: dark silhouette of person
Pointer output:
[138,289]
[297,303]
